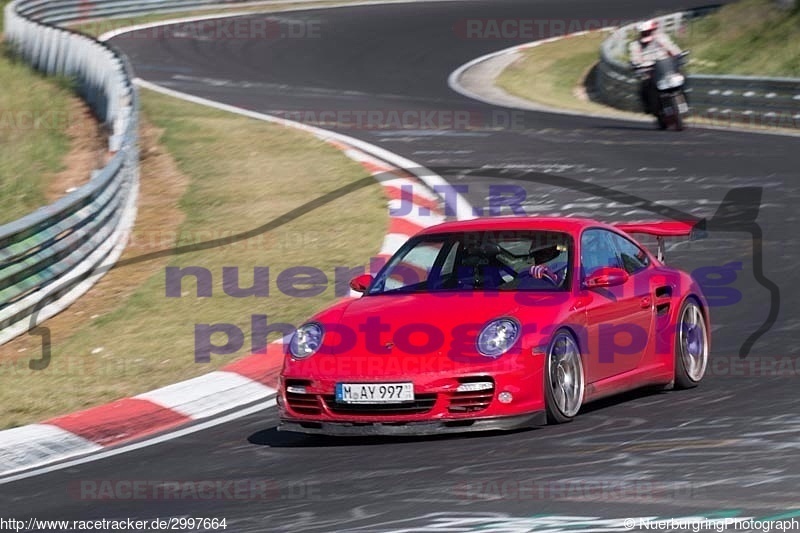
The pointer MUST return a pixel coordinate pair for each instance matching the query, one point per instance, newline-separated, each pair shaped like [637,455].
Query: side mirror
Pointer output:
[361,283]
[606,277]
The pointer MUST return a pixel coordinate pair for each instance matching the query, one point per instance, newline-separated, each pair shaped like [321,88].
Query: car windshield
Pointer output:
[482,260]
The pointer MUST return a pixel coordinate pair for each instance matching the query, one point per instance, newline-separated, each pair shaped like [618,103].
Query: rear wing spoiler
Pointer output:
[660,230]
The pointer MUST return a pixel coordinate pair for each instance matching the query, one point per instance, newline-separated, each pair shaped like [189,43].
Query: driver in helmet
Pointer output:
[549,263]
[651,46]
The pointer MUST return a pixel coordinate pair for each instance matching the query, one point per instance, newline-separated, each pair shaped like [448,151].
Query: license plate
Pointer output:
[374,392]
[683,108]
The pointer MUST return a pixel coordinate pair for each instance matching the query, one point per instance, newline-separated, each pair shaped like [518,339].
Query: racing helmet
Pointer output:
[647,31]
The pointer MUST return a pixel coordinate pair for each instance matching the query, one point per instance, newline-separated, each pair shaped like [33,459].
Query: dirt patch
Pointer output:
[157,221]
[87,152]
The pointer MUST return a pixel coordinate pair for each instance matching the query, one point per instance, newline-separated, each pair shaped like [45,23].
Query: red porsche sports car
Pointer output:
[497,323]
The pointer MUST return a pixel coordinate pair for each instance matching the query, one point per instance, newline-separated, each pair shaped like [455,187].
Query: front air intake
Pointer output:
[473,394]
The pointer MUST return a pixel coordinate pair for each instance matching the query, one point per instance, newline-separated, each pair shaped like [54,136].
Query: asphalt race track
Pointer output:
[729,447]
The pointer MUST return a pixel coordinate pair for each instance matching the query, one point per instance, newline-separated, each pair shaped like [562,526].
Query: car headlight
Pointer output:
[306,340]
[497,337]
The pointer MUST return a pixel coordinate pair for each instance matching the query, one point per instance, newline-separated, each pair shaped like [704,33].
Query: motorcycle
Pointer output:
[665,79]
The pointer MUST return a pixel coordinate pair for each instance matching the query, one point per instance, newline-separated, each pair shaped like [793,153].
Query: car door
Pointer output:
[635,262]
[617,324]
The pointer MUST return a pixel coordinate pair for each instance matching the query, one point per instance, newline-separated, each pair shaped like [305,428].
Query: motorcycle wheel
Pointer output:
[679,122]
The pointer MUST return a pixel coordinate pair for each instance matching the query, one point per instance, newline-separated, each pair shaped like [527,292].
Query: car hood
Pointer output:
[412,322]
[444,310]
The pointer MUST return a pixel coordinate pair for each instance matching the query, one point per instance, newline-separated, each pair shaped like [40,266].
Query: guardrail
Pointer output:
[51,257]
[767,102]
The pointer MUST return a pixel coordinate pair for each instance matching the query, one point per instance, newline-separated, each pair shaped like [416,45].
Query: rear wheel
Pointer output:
[677,101]
[564,380]
[691,346]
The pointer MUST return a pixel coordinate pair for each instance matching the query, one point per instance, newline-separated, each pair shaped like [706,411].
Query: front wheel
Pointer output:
[564,380]
[691,346]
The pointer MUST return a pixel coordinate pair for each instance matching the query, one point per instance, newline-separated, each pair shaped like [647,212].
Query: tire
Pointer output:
[662,124]
[563,378]
[679,123]
[691,345]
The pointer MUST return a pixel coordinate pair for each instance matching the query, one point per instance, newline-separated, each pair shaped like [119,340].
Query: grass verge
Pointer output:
[552,73]
[749,37]
[205,174]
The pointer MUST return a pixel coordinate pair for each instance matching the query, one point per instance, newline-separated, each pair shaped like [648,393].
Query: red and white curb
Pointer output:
[244,382]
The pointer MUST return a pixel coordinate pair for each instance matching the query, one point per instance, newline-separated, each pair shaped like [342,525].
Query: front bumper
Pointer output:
[439,406]
[431,427]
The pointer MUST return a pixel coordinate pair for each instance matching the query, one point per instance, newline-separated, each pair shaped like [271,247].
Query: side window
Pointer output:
[597,251]
[633,258]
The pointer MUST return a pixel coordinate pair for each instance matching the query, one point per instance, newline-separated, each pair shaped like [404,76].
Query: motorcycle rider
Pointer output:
[651,46]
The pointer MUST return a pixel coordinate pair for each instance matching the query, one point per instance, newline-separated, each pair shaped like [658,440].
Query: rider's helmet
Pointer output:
[647,31]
